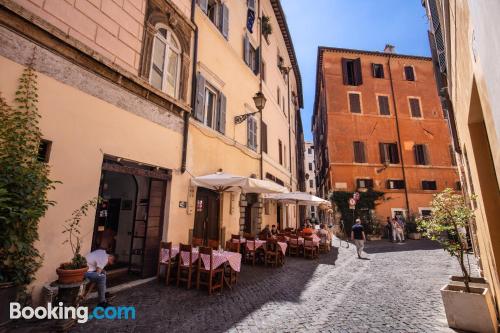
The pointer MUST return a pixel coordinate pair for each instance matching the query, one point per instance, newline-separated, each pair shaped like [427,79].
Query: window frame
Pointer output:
[360,144]
[360,102]
[168,48]
[370,184]
[374,65]
[409,98]
[413,71]
[252,137]
[388,105]
[387,153]
[215,92]
[428,182]
[424,153]
[396,181]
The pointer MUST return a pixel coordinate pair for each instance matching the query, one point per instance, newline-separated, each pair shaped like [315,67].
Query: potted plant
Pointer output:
[267,28]
[467,308]
[412,229]
[74,271]
[24,184]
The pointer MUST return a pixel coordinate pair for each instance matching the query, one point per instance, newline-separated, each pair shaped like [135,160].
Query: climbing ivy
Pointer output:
[24,183]
[367,201]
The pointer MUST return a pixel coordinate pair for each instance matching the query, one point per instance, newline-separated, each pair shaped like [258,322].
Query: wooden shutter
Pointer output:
[264,137]
[452,155]
[225,21]
[415,152]
[415,108]
[221,114]
[199,108]
[359,152]
[393,153]
[354,103]
[280,147]
[410,75]
[344,72]
[362,152]
[246,49]
[203,5]
[256,69]
[425,155]
[358,77]
[383,105]
[383,153]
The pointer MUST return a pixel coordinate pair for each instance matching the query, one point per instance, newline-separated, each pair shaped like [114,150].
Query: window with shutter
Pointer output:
[351,72]
[251,4]
[224,25]
[264,137]
[359,152]
[252,133]
[395,184]
[383,105]
[389,153]
[429,185]
[221,114]
[310,166]
[199,109]
[378,71]
[354,103]
[415,108]
[246,49]
[364,183]
[409,73]
[420,152]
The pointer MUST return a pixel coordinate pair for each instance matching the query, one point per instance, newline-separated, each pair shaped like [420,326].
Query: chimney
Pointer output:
[389,48]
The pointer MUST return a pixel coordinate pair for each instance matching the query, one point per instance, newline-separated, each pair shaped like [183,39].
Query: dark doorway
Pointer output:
[206,220]
[129,218]
[251,214]
[278,215]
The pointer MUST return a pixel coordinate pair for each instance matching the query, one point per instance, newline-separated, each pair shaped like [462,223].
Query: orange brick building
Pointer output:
[378,123]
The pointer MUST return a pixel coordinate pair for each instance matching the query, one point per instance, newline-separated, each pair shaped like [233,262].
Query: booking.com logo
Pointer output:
[80,313]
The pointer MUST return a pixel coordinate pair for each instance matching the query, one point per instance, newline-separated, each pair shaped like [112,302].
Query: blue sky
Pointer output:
[357,24]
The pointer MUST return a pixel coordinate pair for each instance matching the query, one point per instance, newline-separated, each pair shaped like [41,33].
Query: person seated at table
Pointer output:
[96,261]
[274,230]
[265,233]
[324,234]
[308,230]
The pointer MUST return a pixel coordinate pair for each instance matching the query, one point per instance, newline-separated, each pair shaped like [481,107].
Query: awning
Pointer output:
[226,182]
[300,198]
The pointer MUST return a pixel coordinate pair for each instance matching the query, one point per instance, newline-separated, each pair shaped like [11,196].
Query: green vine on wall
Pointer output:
[24,183]
[367,201]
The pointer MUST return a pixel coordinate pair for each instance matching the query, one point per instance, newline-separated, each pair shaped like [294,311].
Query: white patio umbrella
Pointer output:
[300,199]
[225,182]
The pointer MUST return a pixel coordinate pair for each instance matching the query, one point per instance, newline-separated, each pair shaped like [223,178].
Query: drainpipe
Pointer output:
[193,90]
[260,90]
[399,138]
[289,129]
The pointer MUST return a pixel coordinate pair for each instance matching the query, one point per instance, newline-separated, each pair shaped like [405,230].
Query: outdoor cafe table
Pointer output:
[259,243]
[218,258]
[315,240]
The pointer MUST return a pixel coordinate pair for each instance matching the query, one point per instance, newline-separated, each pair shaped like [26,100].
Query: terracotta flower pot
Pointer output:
[70,276]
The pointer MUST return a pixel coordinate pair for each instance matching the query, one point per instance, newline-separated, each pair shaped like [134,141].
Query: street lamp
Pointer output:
[260,101]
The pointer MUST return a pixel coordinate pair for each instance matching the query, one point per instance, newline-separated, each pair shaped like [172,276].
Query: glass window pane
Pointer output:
[172,68]
[156,76]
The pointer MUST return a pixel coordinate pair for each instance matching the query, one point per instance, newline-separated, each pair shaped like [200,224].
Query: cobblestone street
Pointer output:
[396,291]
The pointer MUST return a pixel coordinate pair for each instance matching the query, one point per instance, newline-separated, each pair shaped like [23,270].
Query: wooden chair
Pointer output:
[310,250]
[213,244]
[232,246]
[271,252]
[197,242]
[185,269]
[211,273]
[324,245]
[293,246]
[170,265]
[250,254]
[235,237]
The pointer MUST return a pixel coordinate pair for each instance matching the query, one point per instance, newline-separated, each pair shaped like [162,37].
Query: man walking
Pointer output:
[388,229]
[358,236]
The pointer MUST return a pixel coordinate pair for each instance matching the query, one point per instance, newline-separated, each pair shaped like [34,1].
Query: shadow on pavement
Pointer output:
[383,246]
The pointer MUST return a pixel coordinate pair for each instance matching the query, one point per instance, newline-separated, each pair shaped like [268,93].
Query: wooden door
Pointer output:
[206,220]
[153,227]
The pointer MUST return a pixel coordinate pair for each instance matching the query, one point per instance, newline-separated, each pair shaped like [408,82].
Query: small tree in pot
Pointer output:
[467,308]
[73,271]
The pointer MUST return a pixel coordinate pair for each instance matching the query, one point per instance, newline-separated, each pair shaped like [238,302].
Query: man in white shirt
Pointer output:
[97,260]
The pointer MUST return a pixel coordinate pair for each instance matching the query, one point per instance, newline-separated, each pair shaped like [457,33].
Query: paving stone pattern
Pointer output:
[397,290]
